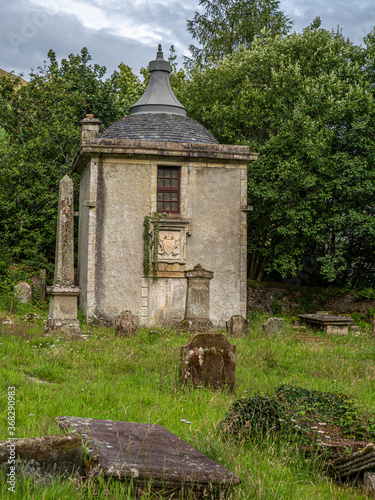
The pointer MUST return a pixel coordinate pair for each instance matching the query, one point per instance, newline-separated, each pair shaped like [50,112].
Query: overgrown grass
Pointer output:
[136,379]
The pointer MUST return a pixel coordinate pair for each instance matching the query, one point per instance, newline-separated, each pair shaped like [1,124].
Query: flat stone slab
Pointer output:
[330,324]
[144,452]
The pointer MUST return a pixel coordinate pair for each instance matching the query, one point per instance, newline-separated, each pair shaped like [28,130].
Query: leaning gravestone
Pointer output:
[237,326]
[144,453]
[273,325]
[23,291]
[126,323]
[208,359]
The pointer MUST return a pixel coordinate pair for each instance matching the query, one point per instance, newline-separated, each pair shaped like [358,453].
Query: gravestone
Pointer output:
[126,323]
[148,452]
[23,291]
[208,359]
[273,326]
[237,326]
[197,314]
[64,293]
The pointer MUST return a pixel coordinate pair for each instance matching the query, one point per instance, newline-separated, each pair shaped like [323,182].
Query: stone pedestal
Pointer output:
[197,314]
[64,293]
[63,309]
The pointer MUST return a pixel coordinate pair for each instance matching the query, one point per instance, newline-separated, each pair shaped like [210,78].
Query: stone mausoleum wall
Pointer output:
[119,188]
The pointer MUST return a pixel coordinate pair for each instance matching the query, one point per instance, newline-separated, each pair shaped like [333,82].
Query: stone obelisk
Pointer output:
[63,293]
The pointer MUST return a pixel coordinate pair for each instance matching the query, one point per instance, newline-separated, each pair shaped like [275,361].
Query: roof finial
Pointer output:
[159,54]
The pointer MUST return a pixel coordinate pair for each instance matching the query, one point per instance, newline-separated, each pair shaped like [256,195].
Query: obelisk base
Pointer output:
[63,309]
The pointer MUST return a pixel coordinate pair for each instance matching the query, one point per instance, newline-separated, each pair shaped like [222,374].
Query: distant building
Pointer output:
[159,160]
[13,77]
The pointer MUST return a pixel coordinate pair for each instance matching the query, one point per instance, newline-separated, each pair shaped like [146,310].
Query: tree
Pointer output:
[227,24]
[304,103]
[42,135]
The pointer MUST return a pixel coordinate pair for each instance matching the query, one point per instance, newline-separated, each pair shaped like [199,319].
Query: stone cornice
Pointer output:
[219,153]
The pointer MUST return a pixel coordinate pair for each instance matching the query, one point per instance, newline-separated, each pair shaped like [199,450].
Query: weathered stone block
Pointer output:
[208,359]
[274,325]
[126,323]
[237,326]
[60,454]
[23,291]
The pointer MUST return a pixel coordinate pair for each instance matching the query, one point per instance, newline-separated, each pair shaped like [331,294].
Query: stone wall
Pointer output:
[120,189]
[278,298]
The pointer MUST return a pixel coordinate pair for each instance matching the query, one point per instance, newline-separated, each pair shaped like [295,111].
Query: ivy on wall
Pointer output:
[151,227]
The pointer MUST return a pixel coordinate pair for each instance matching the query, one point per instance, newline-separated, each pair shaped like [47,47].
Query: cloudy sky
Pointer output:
[129,31]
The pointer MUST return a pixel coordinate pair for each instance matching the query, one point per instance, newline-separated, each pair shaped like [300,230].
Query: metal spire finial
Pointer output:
[158,97]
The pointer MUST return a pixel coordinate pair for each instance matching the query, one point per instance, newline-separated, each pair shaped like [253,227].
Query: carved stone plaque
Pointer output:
[172,241]
[169,245]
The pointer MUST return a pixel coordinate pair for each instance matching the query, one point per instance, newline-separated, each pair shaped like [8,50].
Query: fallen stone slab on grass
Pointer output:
[47,455]
[145,452]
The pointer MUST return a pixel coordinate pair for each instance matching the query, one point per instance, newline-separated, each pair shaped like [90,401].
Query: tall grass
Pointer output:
[135,379]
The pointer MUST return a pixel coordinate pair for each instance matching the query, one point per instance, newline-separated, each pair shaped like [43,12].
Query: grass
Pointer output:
[136,379]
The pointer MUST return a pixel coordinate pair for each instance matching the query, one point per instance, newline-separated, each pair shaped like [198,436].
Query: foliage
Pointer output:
[127,87]
[365,294]
[299,412]
[151,226]
[227,24]
[41,123]
[305,103]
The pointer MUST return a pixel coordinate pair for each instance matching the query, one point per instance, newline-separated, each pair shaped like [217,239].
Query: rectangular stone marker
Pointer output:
[197,314]
[144,452]
[338,325]
[64,293]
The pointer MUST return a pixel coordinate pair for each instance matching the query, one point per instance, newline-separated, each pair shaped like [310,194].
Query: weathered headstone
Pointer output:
[273,326]
[64,293]
[197,314]
[208,359]
[126,323]
[60,455]
[23,292]
[146,452]
[237,326]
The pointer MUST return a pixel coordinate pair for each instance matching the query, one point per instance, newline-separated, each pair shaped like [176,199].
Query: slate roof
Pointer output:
[159,127]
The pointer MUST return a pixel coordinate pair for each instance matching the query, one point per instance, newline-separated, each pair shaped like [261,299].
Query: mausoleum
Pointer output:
[158,160]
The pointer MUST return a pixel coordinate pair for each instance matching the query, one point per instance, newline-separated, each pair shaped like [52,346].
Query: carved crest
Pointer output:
[169,245]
